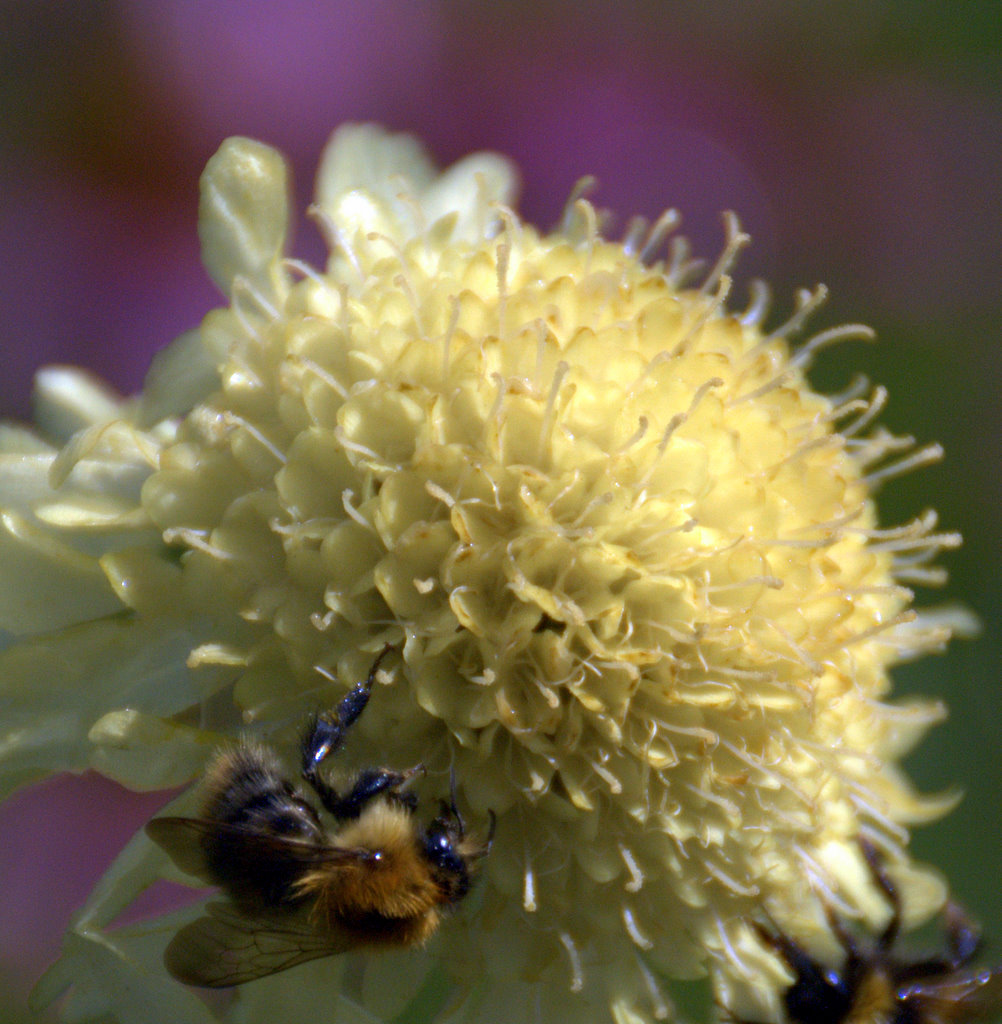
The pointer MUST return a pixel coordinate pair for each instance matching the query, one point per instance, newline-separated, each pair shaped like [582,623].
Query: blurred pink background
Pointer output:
[859,142]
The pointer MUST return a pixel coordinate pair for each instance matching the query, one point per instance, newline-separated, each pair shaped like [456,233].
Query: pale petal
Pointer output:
[243,217]
[97,510]
[473,187]
[120,976]
[15,440]
[67,400]
[181,375]
[134,870]
[54,687]
[367,156]
[147,752]
[113,443]
[44,584]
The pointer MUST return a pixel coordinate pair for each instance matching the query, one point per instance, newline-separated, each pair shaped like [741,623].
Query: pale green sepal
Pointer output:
[120,977]
[46,585]
[19,441]
[148,752]
[66,400]
[101,499]
[135,869]
[243,216]
[180,376]
[116,443]
[306,994]
[54,687]
[94,513]
[145,580]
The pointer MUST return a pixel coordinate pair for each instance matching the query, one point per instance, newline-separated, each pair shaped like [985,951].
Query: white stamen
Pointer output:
[709,310]
[581,188]
[662,227]
[633,930]
[195,539]
[804,356]
[805,303]
[334,238]
[615,786]
[728,881]
[736,240]
[663,1009]
[346,498]
[529,886]
[900,619]
[873,408]
[731,952]
[923,457]
[232,419]
[503,257]
[439,493]
[758,305]
[577,978]
[550,412]
[243,289]
[328,378]
[636,875]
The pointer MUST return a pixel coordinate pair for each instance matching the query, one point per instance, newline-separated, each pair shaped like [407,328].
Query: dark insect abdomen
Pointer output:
[817,996]
[254,872]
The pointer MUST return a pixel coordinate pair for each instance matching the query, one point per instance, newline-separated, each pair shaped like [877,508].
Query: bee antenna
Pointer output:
[452,808]
[375,665]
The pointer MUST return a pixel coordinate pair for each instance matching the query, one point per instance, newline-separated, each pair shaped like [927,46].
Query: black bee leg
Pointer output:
[844,936]
[369,784]
[326,732]
[963,936]
[797,958]
[886,886]
[963,940]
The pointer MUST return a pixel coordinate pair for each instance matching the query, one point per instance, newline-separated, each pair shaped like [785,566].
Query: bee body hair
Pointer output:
[388,897]
[246,790]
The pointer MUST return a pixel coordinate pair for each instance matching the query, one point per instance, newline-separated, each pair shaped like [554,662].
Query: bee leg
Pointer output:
[963,938]
[326,732]
[887,887]
[962,934]
[369,784]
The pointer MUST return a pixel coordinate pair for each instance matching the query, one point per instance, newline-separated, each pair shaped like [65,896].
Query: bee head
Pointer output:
[448,851]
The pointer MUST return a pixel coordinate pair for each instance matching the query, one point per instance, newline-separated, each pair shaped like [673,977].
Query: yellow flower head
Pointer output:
[630,560]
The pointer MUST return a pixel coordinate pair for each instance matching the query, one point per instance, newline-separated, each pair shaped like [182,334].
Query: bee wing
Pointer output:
[957,998]
[181,839]
[226,948]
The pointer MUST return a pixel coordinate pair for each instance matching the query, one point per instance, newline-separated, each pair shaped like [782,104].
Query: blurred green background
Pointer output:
[861,143]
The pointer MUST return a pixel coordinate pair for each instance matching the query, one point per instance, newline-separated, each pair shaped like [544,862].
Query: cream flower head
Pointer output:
[629,558]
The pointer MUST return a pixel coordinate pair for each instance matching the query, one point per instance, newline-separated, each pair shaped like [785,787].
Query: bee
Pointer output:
[877,986]
[297,890]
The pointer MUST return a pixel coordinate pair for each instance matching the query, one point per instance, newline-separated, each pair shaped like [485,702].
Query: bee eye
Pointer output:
[439,849]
